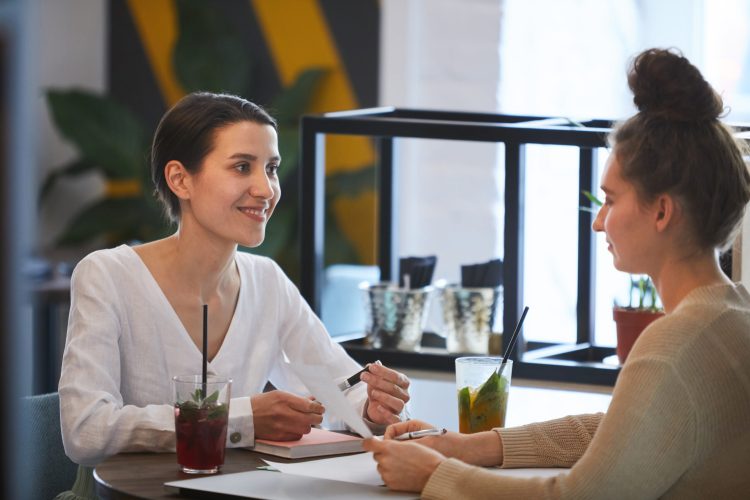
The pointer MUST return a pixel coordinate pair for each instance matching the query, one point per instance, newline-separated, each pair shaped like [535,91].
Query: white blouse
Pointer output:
[125,342]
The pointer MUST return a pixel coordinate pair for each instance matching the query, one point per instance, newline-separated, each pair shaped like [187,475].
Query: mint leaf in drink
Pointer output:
[212,398]
[196,395]
[218,411]
[188,410]
[488,405]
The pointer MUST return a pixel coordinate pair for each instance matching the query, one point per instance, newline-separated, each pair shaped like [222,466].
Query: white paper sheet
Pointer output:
[319,382]
[360,468]
[277,486]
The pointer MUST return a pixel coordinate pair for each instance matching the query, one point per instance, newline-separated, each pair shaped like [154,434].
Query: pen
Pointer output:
[351,381]
[419,434]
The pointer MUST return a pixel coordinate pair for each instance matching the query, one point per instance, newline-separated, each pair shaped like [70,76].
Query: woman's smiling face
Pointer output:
[236,189]
[626,222]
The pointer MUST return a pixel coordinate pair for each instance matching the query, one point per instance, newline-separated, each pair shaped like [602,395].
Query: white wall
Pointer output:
[71,38]
[441,54]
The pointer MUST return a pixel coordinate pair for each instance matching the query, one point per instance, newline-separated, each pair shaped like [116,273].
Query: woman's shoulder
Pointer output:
[107,260]
[122,254]
[711,315]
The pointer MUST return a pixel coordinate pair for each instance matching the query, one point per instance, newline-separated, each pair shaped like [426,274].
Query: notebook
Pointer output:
[318,443]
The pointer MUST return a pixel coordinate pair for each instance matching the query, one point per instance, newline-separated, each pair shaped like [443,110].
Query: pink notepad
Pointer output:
[318,443]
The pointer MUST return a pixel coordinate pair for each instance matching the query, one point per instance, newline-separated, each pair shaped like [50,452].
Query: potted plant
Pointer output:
[642,309]
[632,319]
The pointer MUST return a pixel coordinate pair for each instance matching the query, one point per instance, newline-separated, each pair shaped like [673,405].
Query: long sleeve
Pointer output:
[304,339]
[95,422]
[638,449]
[676,426]
[557,443]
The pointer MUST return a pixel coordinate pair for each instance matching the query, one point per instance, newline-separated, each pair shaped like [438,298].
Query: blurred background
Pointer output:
[85,82]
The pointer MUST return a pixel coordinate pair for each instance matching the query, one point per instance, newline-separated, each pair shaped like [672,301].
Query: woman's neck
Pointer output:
[677,277]
[203,264]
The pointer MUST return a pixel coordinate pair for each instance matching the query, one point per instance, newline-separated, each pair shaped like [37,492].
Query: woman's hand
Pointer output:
[482,448]
[450,444]
[283,416]
[403,465]
[387,393]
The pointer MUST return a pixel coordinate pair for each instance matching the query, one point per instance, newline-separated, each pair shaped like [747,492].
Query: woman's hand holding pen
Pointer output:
[283,416]
[481,448]
[408,465]
[404,465]
[450,444]
[387,393]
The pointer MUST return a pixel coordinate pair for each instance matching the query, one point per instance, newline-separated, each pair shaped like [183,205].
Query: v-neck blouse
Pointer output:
[125,342]
[153,288]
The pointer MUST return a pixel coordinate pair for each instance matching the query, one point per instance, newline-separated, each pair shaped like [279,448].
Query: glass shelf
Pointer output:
[581,362]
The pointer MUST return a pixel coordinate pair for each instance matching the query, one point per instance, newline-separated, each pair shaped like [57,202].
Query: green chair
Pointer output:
[49,469]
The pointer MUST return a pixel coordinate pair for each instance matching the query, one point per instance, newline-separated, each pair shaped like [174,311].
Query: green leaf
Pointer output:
[593,199]
[218,411]
[212,398]
[196,395]
[209,54]
[294,100]
[289,151]
[76,167]
[350,183]
[104,132]
[489,401]
[338,247]
[102,217]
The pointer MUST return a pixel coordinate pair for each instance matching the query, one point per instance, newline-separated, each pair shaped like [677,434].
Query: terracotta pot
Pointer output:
[630,323]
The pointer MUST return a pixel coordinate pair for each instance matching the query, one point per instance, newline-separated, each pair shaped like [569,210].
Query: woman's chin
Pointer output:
[253,241]
[250,243]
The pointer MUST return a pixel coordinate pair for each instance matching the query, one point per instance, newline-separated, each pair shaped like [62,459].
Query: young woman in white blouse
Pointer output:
[136,312]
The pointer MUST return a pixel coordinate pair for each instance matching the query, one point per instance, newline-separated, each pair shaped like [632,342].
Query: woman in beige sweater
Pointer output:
[678,425]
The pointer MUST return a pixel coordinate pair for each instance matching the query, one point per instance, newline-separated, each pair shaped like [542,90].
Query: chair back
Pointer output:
[49,470]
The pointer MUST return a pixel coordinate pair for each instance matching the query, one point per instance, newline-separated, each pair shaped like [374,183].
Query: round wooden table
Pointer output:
[142,475]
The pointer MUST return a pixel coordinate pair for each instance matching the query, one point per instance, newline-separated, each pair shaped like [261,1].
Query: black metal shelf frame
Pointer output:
[579,363]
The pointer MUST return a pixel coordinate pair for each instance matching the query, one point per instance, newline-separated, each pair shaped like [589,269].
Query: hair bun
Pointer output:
[665,85]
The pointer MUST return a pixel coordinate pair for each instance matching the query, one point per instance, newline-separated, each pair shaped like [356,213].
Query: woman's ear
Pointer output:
[666,212]
[178,179]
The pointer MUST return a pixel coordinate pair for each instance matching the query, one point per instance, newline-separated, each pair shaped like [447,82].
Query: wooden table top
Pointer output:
[142,475]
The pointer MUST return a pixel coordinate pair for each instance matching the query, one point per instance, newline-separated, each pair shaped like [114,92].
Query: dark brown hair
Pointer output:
[186,134]
[676,144]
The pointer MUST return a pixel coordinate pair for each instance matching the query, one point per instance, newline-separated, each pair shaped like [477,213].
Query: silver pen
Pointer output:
[419,434]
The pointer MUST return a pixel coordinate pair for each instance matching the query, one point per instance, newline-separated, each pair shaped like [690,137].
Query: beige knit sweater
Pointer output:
[678,425]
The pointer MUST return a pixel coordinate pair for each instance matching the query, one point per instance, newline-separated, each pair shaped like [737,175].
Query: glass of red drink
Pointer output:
[201,413]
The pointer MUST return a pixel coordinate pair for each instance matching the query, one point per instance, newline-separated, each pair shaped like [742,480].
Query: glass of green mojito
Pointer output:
[482,393]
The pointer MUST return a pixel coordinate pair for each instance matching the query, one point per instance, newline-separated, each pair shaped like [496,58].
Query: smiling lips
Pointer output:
[259,214]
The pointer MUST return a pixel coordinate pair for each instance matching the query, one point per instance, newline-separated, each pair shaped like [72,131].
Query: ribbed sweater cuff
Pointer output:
[518,448]
[443,483]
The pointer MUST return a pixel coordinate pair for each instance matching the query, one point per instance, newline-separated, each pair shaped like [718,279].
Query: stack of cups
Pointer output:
[468,317]
[396,316]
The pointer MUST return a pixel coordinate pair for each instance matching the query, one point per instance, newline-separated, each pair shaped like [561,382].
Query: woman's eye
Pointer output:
[272,168]
[242,167]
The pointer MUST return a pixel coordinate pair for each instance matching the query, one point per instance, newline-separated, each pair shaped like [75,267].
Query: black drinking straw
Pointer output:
[205,351]
[512,342]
